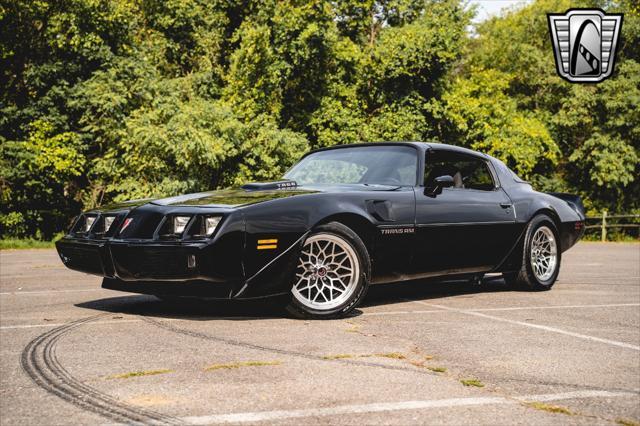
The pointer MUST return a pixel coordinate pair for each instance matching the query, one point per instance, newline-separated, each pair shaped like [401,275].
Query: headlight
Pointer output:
[108,221]
[210,224]
[88,223]
[179,223]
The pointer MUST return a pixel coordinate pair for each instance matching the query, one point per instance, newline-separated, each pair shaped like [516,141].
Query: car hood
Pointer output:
[229,197]
[240,197]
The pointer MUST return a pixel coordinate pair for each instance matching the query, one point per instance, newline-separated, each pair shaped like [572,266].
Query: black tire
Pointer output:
[360,284]
[526,278]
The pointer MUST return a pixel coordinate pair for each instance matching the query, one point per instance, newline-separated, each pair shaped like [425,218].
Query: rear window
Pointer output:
[510,172]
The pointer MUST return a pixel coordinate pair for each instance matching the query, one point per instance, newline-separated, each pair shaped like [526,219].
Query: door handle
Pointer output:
[506,205]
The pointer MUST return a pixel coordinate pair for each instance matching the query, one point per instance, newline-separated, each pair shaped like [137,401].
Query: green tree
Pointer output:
[580,138]
[105,100]
[40,181]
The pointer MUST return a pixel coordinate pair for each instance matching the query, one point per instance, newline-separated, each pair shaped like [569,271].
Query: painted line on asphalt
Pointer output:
[536,326]
[604,277]
[434,311]
[524,308]
[375,314]
[116,321]
[18,327]
[22,252]
[62,274]
[516,308]
[48,325]
[27,293]
[270,416]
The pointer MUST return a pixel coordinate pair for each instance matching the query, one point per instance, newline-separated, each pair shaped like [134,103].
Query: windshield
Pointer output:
[382,165]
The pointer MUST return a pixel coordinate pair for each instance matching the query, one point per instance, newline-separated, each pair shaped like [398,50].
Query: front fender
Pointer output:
[275,277]
[284,224]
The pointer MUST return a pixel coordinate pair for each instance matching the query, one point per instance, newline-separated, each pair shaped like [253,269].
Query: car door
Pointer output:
[465,222]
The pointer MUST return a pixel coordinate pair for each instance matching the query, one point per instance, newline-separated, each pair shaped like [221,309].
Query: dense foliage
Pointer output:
[117,99]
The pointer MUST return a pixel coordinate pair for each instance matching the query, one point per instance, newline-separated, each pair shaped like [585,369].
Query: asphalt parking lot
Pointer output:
[417,353]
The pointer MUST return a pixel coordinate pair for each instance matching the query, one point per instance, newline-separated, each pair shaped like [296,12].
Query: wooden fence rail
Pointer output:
[603,225]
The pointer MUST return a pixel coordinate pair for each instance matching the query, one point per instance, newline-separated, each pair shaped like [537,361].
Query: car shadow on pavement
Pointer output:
[191,309]
[272,308]
[417,290]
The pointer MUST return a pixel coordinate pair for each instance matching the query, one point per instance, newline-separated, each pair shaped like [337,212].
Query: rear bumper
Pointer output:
[570,234]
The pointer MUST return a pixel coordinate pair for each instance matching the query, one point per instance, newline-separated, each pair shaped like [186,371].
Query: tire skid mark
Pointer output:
[40,363]
[172,328]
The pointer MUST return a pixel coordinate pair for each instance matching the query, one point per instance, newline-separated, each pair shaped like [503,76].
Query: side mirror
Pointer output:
[444,181]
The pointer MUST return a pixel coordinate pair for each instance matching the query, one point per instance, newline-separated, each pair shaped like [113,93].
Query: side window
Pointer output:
[467,171]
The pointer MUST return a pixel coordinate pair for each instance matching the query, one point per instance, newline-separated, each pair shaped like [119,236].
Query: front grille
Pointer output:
[143,225]
[152,262]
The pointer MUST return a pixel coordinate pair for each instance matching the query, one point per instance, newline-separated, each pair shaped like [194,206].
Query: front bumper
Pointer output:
[86,256]
[152,261]
[143,260]
[196,288]
[212,269]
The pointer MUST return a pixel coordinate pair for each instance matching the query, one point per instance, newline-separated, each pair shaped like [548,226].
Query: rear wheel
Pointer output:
[540,257]
[332,273]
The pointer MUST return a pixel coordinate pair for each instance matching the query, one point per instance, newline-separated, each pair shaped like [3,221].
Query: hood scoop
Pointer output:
[266,186]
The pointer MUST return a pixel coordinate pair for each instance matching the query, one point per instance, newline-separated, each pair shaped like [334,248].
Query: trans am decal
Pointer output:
[397,231]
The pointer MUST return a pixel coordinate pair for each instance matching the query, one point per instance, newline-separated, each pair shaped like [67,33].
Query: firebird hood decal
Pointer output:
[241,197]
[124,205]
[228,197]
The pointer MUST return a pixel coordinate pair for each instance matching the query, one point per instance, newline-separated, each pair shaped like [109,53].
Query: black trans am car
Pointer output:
[342,218]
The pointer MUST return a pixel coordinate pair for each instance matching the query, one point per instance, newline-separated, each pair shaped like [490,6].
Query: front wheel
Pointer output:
[332,275]
[540,257]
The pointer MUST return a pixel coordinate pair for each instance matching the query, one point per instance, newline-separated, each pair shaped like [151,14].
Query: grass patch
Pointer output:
[627,422]
[392,355]
[240,365]
[139,374]
[549,408]
[472,382]
[353,327]
[150,400]
[17,244]
[596,237]
[338,356]
[438,370]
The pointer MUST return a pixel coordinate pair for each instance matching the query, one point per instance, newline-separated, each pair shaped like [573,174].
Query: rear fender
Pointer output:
[574,201]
